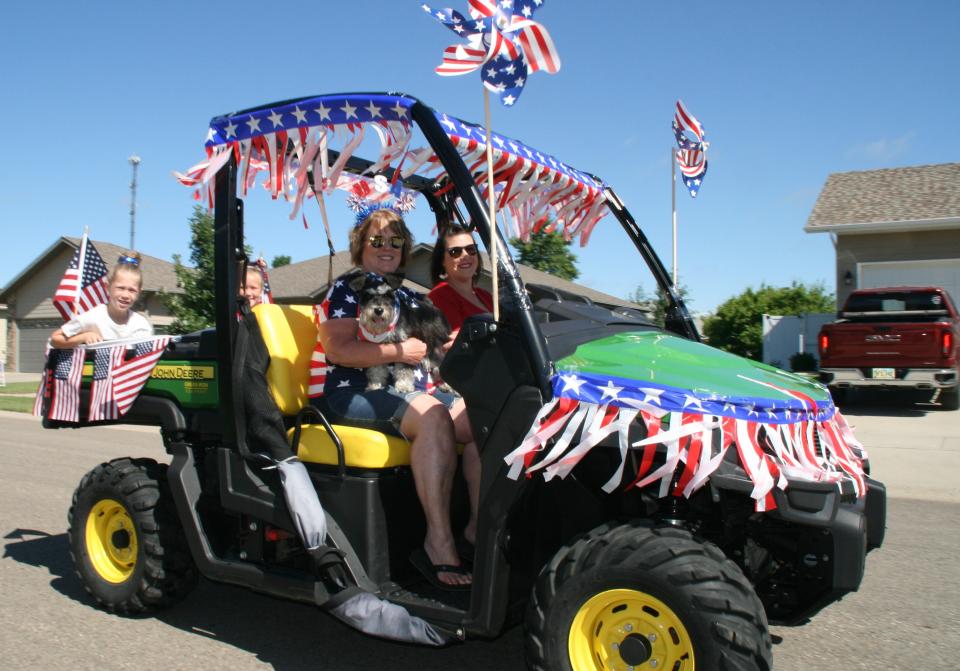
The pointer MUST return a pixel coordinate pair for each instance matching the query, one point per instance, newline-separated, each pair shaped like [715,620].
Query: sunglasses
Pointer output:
[378,241]
[457,252]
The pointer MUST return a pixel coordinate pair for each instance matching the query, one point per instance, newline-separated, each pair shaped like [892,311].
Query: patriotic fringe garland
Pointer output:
[814,447]
[533,188]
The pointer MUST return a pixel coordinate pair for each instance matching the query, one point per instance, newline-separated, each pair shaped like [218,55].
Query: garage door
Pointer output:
[33,344]
[938,273]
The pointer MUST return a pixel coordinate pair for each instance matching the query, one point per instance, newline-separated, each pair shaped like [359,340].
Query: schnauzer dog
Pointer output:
[391,314]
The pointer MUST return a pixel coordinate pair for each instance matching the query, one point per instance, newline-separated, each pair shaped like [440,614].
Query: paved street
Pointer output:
[905,615]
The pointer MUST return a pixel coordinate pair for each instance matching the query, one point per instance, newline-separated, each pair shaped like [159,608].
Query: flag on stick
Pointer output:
[130,376]
[67,370]
[267,296]
[103,404]
[692,152]
[84,284]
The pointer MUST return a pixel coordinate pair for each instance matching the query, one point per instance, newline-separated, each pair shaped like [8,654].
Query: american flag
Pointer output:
[503,42]
[67,371]
[267,296]
[103,405]
[692,153]
[84,284]
[130,376]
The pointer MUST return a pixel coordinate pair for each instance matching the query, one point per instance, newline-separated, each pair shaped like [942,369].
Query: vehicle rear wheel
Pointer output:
[126,540]
[950,399]
[638,596]
[840,396]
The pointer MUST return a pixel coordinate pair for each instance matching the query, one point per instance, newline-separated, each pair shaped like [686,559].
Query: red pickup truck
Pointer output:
[904,337]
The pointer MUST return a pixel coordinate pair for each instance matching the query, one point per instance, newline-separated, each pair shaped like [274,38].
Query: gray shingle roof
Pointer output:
[917,193]
[157,273]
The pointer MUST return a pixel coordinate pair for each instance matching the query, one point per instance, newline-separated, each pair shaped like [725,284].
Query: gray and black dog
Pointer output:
[389,313]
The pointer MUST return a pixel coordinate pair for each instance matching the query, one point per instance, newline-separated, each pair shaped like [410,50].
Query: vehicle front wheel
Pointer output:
[644,597]
[126,540]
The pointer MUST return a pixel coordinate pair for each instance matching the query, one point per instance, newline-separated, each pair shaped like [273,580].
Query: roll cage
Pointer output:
[455,180]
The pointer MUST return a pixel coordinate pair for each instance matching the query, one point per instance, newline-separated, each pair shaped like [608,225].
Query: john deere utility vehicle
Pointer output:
[646,501]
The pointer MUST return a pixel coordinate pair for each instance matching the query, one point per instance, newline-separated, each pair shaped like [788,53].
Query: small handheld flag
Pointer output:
[84,284]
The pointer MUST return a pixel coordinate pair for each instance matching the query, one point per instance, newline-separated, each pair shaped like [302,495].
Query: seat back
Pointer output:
[290,334]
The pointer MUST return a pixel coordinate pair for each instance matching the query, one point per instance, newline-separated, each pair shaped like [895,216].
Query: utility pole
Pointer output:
[134,161]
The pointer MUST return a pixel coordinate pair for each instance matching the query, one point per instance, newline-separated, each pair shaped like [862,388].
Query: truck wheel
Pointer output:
[126,540]
[840,396]
[636,596]
[950,399]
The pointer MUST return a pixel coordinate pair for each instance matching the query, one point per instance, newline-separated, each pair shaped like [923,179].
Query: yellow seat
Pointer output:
[290,335]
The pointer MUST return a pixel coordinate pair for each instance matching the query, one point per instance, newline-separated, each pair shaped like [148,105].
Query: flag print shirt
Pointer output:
[342,302]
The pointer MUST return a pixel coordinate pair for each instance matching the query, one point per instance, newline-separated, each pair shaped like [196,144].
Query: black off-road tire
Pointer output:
[126,541]
[950,399]
[700,588]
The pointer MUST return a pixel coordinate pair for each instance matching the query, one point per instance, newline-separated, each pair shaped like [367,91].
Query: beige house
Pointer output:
[306,281]
[31,317]
[893,227]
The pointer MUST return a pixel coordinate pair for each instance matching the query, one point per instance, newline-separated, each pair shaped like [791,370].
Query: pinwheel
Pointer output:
[502,41]
[692,154]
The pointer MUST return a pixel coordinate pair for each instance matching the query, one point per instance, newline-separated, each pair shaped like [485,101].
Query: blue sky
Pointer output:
[788,93]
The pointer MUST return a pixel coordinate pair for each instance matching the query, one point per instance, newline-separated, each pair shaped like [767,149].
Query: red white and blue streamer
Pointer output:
[775,439]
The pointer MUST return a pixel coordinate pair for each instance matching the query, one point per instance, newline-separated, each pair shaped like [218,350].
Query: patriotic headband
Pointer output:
[128,260]
[366,197]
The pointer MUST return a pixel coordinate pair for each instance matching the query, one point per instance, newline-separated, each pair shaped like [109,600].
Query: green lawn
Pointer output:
[16,403]
[19,388]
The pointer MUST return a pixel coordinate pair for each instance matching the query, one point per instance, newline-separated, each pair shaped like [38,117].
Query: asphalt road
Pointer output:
[906,614]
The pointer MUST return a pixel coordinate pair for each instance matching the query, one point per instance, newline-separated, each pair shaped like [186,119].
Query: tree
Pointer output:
[657,304]
[736,326]
[548,252]
[280,260]
[194,309]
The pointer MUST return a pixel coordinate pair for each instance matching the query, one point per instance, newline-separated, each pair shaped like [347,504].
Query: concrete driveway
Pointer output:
[914,448]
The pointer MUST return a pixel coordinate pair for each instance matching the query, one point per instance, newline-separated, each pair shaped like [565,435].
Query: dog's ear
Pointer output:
[357,283]
[394,280]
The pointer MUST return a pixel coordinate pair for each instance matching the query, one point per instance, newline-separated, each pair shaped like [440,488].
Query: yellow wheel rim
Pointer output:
[629,630]
[111,541]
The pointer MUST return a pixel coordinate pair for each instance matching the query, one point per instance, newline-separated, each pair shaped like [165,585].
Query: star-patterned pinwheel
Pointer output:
[502,41]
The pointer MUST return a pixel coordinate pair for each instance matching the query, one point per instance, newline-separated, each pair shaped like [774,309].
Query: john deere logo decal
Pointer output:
[183,372]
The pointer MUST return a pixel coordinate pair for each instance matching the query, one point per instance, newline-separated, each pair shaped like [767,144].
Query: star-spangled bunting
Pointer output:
[790,437]
[692,153]
[84,284]
[532,185]
[502,41]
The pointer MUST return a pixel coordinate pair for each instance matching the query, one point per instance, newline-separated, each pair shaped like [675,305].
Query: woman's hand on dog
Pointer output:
[453,336]
[411,351]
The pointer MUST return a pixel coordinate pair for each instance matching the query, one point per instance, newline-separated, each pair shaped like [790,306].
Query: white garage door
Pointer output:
[938,273]
[33,345]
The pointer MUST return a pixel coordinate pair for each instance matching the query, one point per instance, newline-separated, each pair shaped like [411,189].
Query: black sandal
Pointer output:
[430,571]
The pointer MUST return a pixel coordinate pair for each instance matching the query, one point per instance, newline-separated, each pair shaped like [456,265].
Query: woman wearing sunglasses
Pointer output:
[434,423]
[454,269]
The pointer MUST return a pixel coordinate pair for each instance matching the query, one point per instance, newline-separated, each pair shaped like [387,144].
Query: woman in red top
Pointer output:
[455,268]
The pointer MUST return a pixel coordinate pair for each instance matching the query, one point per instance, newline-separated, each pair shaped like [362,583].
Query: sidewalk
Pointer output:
[22,377]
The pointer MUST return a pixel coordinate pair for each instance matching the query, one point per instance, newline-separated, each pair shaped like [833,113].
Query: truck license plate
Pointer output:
[884,374]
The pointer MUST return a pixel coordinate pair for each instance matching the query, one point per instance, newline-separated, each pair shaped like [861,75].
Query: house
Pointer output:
[893,227]
[306,281]
[31,317]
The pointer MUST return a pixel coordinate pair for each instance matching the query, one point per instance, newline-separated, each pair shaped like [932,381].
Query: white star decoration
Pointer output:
[610,390]
[231,130]
[349,110]
[338,313]
[343,383]
[399,110]
[323,112]
[572,382]
[651,395]
[300,115]
[350,299]
[254,124]
[689,399]
[374,110]
[276,118]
